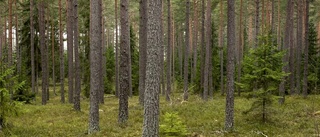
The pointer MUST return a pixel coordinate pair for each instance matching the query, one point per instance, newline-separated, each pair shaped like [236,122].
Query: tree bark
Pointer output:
[70,48]
[95,40]
[292,56]
[61,48]
[142,49]
[151,100]
[124,62]
[186,55]
[229,123]
[77,81]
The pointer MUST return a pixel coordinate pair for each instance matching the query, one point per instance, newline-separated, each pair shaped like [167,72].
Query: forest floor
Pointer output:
[296,117]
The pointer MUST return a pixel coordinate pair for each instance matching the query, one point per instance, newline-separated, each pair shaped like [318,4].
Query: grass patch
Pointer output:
[298,117]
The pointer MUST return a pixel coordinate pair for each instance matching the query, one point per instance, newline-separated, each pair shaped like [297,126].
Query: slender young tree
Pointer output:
[32,47]
[77,81]
[61,54]
[124,61]
[229,123]
[95,39]
[142,49]
[151,100]
[70,24]
[186,54]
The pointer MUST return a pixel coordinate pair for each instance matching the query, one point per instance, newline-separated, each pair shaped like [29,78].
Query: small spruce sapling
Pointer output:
[262,74]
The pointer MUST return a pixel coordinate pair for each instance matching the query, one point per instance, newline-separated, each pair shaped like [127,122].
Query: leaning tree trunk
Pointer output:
[230,67]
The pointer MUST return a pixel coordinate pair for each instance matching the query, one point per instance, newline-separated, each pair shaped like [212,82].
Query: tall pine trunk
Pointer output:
[168,91]
[306,51]
[77,81]
[124,62]
[142,49]
[221,26]
[43,48]
[95,40]
[32,47]
[70,24]
[61,48]
[117,50]
[151,100]
[186,54]
[299,46]
[206,76]
[229,123]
